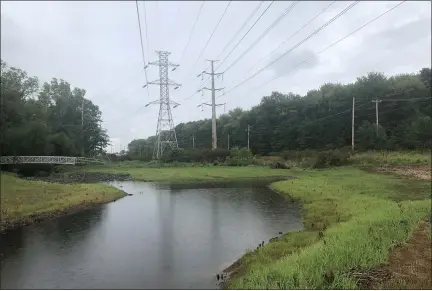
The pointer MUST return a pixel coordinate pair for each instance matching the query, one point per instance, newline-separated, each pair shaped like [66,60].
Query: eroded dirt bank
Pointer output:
[82,177]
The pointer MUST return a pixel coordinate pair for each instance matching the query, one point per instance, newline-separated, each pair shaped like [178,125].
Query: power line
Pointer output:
[142,45]
[211,36]
[321,51]
[294,34]
[232,50]
[241,28]
[146,30]
[295,46]
[157,24]
[229,42]
[282,16]
[391,106]
[192,31]
[247,32]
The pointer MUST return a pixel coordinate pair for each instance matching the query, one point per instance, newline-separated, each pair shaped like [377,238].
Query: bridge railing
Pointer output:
[60,160]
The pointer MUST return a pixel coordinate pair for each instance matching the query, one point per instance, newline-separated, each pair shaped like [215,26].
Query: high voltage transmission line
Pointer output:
[229,42]
[192,31]
[157,25]
[314,55]
[142,45]
[326,48]
[241,28]
[211,36]
[295,46]
[146,30]
[243,37]
[279,19]
[247,32]
[289,38]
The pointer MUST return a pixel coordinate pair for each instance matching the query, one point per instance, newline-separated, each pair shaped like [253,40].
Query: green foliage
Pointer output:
[370,137]
[196,156]
[324,159]
[240,157]
[321,119]
[46,120]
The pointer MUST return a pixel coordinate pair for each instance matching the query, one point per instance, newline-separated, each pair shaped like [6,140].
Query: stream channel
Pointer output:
[161,237]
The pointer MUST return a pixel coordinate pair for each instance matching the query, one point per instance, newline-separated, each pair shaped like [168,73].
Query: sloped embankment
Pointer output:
[352,223]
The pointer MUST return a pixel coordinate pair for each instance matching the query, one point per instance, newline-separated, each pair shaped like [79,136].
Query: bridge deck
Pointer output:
[58,160]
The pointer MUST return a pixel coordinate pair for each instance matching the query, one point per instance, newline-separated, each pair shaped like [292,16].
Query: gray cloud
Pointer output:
[400,36]
[95,46]
[292,60]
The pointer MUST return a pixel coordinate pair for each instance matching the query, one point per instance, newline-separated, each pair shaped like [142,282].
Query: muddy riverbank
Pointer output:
[81,177]
[39,217]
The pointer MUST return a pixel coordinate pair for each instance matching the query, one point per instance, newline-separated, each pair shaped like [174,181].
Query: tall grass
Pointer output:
[359,221]
[391,158]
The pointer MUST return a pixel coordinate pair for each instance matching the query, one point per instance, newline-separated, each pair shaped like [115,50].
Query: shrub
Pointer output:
[239,157]
[324,159]
[241,153]
[279,165]
[215,155]
[195,156]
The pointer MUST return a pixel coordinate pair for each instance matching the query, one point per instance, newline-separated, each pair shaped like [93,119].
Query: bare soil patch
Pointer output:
[409,265]
[420,172]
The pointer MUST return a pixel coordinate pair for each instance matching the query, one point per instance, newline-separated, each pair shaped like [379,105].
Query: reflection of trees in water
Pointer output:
[166,203]
[11,242]
[268,207]
[53,244]
[58,232]
[65,229]
[280,208]
[216,241]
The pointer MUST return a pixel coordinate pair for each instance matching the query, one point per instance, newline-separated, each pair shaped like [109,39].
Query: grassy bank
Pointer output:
[352,219]
[191,174]
[25,201]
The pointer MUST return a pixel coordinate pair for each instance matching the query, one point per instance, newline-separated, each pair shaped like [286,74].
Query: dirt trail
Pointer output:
[409,266]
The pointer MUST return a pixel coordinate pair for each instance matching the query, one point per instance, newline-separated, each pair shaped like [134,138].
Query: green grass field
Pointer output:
[201,174]
[22,200]
[360,219]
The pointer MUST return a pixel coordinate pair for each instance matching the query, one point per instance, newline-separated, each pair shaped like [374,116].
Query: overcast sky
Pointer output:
[96,46]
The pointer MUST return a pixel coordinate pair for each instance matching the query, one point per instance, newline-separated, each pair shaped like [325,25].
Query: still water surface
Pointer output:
[159,238]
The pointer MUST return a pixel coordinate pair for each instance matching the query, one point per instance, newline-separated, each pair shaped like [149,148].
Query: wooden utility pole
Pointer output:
[376,112]
[193,141]
[228,141]
[352,124]
[248,130]
[213,104]
[82,127]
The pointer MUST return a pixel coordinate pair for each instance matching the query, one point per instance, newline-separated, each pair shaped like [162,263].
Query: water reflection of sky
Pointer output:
[158,238]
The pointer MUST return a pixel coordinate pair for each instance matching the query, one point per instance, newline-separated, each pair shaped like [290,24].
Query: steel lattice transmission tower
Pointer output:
[165,132]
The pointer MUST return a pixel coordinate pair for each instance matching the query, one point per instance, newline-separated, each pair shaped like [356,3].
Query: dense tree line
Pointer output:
[47,120]
[322,118]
